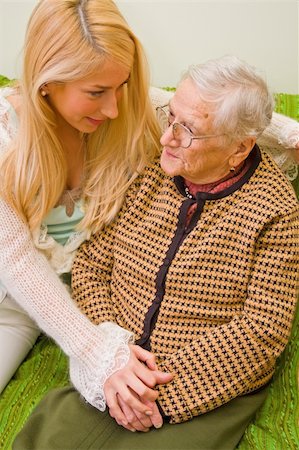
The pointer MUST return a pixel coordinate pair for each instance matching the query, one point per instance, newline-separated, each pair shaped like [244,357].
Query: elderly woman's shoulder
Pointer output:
[274,184]
[150,176]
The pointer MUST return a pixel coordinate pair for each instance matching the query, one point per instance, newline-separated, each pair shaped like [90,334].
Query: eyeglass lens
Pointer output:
[179,131]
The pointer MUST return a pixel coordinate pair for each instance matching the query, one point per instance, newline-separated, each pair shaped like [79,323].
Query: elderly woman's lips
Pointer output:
[169,154]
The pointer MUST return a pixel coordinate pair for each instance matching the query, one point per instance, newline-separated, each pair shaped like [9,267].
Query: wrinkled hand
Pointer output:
[130,393]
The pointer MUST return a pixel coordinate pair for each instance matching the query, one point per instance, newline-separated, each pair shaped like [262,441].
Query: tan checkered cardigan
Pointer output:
[215,301]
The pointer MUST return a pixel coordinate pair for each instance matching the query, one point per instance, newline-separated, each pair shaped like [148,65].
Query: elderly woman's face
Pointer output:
[206,160]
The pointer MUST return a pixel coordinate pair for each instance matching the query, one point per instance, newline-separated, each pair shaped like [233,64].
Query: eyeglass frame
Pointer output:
[173,124]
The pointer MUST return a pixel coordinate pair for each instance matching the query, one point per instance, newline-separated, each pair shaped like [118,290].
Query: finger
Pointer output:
[156,418]
[163,377]
[145,356]
[115,411]
[135,384]
[135,378]
[120,422]
[152,377]
[149,377]
[128,426]
[124,382]
[118,414]
[144,420]
[142,424]
[133,401]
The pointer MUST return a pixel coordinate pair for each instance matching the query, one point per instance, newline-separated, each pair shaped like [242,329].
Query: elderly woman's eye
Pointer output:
[170,118]
[188,128]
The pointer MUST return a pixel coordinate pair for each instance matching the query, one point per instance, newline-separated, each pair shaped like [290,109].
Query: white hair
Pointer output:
[241,100]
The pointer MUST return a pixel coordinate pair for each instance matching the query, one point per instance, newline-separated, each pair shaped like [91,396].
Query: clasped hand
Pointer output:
[130,394]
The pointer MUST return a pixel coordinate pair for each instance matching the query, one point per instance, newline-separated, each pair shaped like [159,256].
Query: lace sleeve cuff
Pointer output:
[90,374]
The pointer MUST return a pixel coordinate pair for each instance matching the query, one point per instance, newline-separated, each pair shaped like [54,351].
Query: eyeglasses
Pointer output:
[180,133]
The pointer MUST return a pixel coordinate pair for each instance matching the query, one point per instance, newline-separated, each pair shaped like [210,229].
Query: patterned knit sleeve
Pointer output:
[239,357]
[93,265]
[95,352]
[91,277]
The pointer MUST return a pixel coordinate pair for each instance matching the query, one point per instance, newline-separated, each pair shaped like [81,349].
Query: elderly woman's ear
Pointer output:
[243,149]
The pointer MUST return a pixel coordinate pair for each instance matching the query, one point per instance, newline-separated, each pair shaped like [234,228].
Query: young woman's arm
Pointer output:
[95,352]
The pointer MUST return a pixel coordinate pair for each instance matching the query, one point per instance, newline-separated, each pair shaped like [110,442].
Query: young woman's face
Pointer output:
[85,104]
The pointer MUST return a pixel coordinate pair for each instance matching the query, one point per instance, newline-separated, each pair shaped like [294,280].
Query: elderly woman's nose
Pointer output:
[167,136]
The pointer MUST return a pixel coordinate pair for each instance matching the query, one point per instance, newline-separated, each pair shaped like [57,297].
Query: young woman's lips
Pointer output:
[95,121]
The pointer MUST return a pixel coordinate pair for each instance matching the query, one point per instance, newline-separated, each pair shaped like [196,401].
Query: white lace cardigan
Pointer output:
[29,267]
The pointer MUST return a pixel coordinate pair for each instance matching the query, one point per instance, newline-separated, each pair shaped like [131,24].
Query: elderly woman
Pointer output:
[201,265]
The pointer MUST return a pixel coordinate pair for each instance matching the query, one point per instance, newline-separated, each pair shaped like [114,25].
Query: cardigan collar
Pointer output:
[254,158]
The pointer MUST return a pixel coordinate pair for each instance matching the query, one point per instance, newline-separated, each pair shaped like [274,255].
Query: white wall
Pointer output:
[178,33]
[13,19]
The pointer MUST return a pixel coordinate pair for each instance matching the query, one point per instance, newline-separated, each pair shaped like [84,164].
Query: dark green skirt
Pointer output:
[64,421]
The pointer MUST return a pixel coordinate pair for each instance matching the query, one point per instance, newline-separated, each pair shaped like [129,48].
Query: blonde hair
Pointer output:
[242,102]
[67,40]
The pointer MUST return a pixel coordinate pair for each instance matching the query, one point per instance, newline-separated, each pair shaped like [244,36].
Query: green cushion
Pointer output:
[4,80]
[287,104]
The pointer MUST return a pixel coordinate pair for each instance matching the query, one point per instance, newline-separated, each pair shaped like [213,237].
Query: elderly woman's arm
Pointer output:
[87,270]
[92,272]
[226,361]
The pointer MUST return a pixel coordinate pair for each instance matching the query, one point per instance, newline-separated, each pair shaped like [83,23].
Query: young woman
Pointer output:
[74,134]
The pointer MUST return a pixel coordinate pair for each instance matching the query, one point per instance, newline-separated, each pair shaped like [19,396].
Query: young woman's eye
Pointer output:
[95,93]
[122,85]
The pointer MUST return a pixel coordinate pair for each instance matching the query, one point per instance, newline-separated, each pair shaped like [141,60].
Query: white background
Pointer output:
[178,33]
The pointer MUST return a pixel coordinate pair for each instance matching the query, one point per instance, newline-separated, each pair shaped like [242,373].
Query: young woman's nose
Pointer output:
[110,107]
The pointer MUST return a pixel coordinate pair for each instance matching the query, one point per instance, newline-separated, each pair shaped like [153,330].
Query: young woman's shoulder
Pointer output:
[10,99]
[10,102]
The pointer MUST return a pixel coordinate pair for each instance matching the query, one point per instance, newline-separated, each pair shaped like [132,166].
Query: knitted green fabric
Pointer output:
[45,368]
[276,425]
[287,104]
